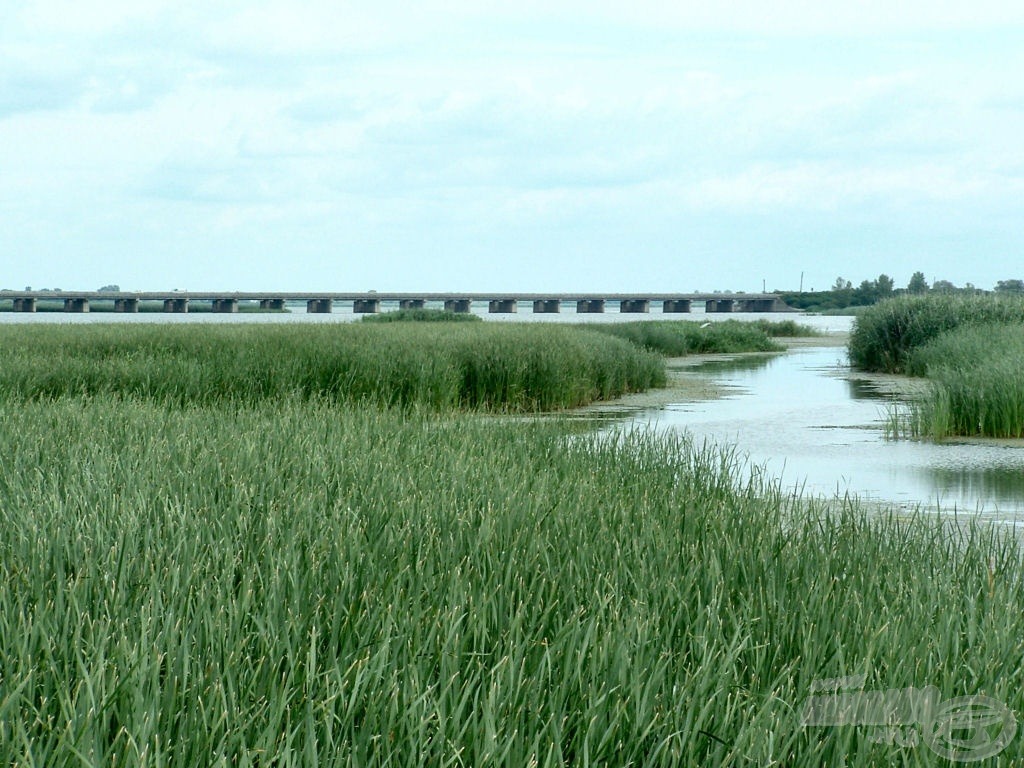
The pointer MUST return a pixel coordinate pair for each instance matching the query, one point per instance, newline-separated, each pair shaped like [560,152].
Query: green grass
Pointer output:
[500,367]
[421,316]
[277,573]
[970,348]
[676,338]
[786,328]
[977,383]
[299,582]
[885,334]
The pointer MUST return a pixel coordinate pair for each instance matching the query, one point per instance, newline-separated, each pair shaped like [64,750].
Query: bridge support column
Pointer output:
[412,303]
[670,306]
[547,306]
[590,306]
[225,306]
[272,304]
[458,305]
[366,306]
[719,305]
[634,305]
[126,305]
[757,305]
[177,306]
[76,305]
[319,306]
[24,305]
[502,306]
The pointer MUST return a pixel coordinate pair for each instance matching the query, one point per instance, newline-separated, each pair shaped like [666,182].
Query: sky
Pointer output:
[530,146]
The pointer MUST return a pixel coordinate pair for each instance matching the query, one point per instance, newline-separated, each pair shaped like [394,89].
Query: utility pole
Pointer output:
[801,282]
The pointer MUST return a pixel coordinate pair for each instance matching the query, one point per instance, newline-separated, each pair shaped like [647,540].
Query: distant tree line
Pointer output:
[843,295]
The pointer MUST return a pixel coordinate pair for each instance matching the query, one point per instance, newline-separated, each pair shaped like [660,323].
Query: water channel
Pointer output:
[810,420]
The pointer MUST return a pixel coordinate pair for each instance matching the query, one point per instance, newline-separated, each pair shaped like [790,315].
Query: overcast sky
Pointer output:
[467,144]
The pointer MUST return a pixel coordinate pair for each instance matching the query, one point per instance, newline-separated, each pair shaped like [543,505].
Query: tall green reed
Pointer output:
[300,582]
[885,334]
[499,367]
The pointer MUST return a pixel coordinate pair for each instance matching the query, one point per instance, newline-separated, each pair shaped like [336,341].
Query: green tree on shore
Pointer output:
[917,283]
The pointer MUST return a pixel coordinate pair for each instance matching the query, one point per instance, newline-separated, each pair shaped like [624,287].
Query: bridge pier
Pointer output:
[225,306]
[177,306]
[76,305]
[757,305]
[589,306]
[272,304]
[412,303]
[366,306]
[504,306]
[718,305]
[634,305]
[547,306]
[24,305]
[126,305]
[670,306]
[319,306]
[458,305]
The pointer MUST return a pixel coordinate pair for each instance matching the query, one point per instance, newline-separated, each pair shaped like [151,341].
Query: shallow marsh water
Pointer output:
[808,419]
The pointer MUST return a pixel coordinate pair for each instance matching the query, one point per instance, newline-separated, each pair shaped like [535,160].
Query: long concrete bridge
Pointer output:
[227,302]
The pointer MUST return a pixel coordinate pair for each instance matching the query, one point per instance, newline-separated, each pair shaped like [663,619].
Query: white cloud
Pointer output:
[445,121]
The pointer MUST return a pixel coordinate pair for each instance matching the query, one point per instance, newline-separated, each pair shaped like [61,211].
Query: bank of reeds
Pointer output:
[885,334]
[970,348]
[299,582]
[421,316]
[676,338]
[977,383]
[466,365]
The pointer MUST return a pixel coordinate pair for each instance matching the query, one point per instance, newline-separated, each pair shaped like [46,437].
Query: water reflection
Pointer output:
[804,418]
[735,364]
[865,389]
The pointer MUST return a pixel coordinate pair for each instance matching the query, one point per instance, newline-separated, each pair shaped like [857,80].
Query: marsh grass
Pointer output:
[501,367]
[885,334]
[971,349]
[299,582]
[977,383]
[421,316]
[279,575]
[676,338]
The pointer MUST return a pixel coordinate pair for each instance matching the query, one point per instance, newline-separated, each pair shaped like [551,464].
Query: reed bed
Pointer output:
[421,316]
[469,365]
[977,383]
[970,348]
[303,582]
[885,334]
[677,338]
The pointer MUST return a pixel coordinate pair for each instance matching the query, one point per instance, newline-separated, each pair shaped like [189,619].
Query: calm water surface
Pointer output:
[809,420]
[343,314]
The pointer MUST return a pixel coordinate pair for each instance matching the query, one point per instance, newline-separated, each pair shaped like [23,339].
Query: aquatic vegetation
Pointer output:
[885,334]
[970,349]
[676,338]
[977,383]
[503,367]
[285,573]
[421,316]
[299,581]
